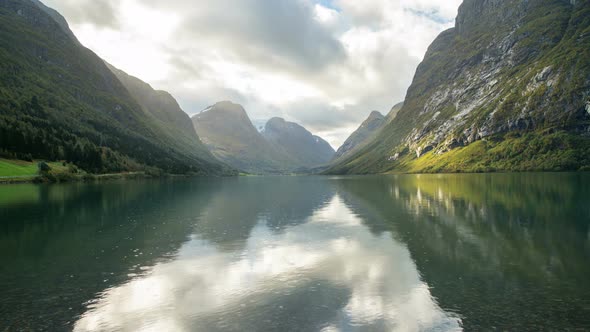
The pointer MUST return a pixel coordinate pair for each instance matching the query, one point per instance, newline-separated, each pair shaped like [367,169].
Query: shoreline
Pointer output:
[89,178]
[71,178]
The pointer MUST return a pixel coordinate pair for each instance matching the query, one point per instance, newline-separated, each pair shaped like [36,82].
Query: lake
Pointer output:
[377,253]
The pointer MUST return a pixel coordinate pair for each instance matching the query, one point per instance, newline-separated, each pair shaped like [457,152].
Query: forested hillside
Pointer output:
[59,101]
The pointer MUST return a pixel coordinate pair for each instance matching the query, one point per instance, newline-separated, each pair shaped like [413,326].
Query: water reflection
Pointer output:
[403,253]
[504,250]
[60,245]
[328,273]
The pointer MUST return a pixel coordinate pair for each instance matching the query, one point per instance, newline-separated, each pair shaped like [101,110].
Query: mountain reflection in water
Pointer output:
[379,253]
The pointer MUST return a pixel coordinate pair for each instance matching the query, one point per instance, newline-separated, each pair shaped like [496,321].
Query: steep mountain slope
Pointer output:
[56,16]
[359,137]
[227,131]
[164,110]
[366,133]
[506,89]
[292,139]
[58,100]
[392,115]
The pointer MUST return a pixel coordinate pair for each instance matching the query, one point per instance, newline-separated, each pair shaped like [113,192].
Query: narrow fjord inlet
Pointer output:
[294,165]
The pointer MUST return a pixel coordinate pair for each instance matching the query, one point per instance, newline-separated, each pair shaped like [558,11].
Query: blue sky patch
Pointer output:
[328,4]
[433,15]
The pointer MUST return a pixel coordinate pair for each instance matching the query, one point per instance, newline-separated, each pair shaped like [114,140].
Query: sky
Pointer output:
[325,64]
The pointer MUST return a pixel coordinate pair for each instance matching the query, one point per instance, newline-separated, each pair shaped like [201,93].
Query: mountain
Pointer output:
[163,109]
[392,115]
[227,131]
[292,139]
[282,147]
[366,133]
[56,16]
[60,101]
[507,89]
[360,137]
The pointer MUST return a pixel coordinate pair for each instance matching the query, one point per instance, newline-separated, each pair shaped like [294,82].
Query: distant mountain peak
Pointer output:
[229,112]
[280,124]
[360,137]
[228,104]
[376,114]
[299,142]
[281,147]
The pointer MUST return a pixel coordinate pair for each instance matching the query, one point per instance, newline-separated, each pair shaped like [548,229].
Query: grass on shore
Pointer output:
[20,171]
[516,152]
[21,168]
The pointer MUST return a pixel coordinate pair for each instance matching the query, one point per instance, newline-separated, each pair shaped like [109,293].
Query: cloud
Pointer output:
[326,64]
[99,13]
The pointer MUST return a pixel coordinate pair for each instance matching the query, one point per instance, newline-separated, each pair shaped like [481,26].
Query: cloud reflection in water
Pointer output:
[329,273]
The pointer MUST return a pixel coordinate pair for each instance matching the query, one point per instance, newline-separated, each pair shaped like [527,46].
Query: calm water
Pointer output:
[402,253]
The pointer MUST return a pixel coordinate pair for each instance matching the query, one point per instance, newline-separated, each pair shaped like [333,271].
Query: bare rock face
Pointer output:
[508,65]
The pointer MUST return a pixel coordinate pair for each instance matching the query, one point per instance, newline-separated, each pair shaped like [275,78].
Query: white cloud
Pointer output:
[325,66]
[324,15]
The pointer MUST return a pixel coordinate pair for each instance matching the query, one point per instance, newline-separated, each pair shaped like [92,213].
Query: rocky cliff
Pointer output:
[507,89]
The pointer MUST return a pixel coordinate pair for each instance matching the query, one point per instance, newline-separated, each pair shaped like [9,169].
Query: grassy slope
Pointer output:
[20,168]
[531,151]
[17,168]
[554,35]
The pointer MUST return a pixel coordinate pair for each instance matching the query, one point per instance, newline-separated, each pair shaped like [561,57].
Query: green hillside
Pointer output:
[59,101]
[512,77]
[162,109]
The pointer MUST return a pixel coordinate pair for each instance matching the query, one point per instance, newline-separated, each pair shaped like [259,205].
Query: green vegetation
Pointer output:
[514,70]
[12,171]
[19,171]
[17,168]
[163,110]
[529,151]
[362,136]
[20,168]
[59,101]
